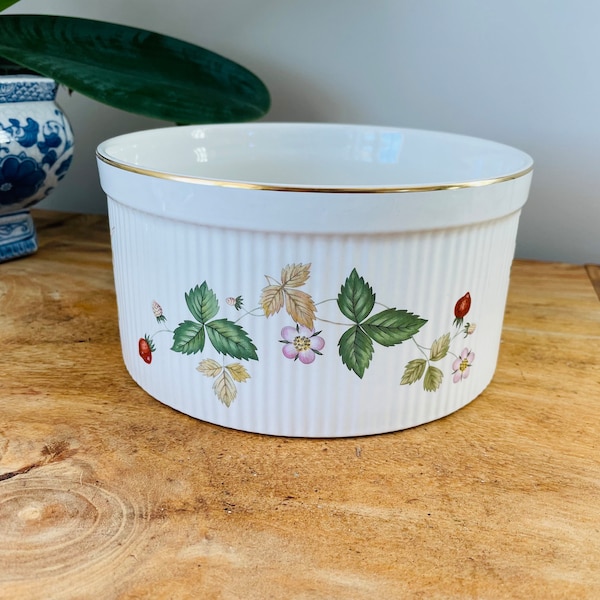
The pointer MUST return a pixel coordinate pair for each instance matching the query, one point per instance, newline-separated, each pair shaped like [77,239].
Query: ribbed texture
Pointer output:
[425,273]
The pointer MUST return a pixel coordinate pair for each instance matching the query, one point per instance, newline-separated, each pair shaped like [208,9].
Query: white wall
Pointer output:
[522,72]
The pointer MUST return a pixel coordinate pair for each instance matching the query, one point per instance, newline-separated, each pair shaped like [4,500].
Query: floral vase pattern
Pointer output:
[36,149]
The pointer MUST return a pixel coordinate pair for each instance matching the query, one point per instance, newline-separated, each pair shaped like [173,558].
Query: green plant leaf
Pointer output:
[230,339]
[134,70]
[4,4]
[356,298]
[413,371]
[188,338]
[392,326]
[356,350]
[439,348]
[202,302]
[433,379]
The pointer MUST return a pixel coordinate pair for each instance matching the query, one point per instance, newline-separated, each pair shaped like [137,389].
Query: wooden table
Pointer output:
[106,493]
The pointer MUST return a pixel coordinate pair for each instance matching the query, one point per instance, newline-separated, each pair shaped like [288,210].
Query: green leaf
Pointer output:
[134,70]
[4,4]
[440,347]
[188,338]
[356,298]
[392,326]
[230,339]
[356,350]
[433,379]
[413,371]
[202,302]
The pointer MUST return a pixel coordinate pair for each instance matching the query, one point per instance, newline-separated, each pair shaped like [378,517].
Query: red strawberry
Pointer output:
[461,309]
[146,348]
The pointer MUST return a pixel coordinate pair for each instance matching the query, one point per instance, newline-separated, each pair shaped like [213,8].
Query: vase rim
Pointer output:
[23,77]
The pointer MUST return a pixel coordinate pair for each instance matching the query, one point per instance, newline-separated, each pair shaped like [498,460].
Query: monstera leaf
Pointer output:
[134,70]
[6,3]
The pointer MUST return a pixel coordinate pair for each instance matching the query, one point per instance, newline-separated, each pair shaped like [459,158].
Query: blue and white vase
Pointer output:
[36,149]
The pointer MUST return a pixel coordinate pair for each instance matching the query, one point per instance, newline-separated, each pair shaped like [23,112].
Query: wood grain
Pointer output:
[593,272]
[105,493]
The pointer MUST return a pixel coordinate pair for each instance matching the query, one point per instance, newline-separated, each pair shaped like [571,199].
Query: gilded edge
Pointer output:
[311,189]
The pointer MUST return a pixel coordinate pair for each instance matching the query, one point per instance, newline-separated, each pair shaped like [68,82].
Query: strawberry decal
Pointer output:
[236,302]
[145,349]
[371,324]
[423,368]
[158,312]
[461,309]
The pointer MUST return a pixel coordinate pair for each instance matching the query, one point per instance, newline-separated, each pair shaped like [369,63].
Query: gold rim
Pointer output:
[323,190]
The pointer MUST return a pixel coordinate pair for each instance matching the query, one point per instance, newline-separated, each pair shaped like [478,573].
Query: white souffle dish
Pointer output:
[312,280]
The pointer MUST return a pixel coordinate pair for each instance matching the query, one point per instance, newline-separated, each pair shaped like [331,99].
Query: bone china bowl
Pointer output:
[311,280]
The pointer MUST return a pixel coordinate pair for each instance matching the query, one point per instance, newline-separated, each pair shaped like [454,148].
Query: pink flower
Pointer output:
[302,343]
[462,365]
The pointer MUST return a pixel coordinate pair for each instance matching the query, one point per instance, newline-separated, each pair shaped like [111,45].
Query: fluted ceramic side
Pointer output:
[426,274]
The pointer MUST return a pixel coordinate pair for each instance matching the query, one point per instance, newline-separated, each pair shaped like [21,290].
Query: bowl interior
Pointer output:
[309,156]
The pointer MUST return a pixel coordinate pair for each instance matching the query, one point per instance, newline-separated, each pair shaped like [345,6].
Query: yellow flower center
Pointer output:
[301,343]
[464,363]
